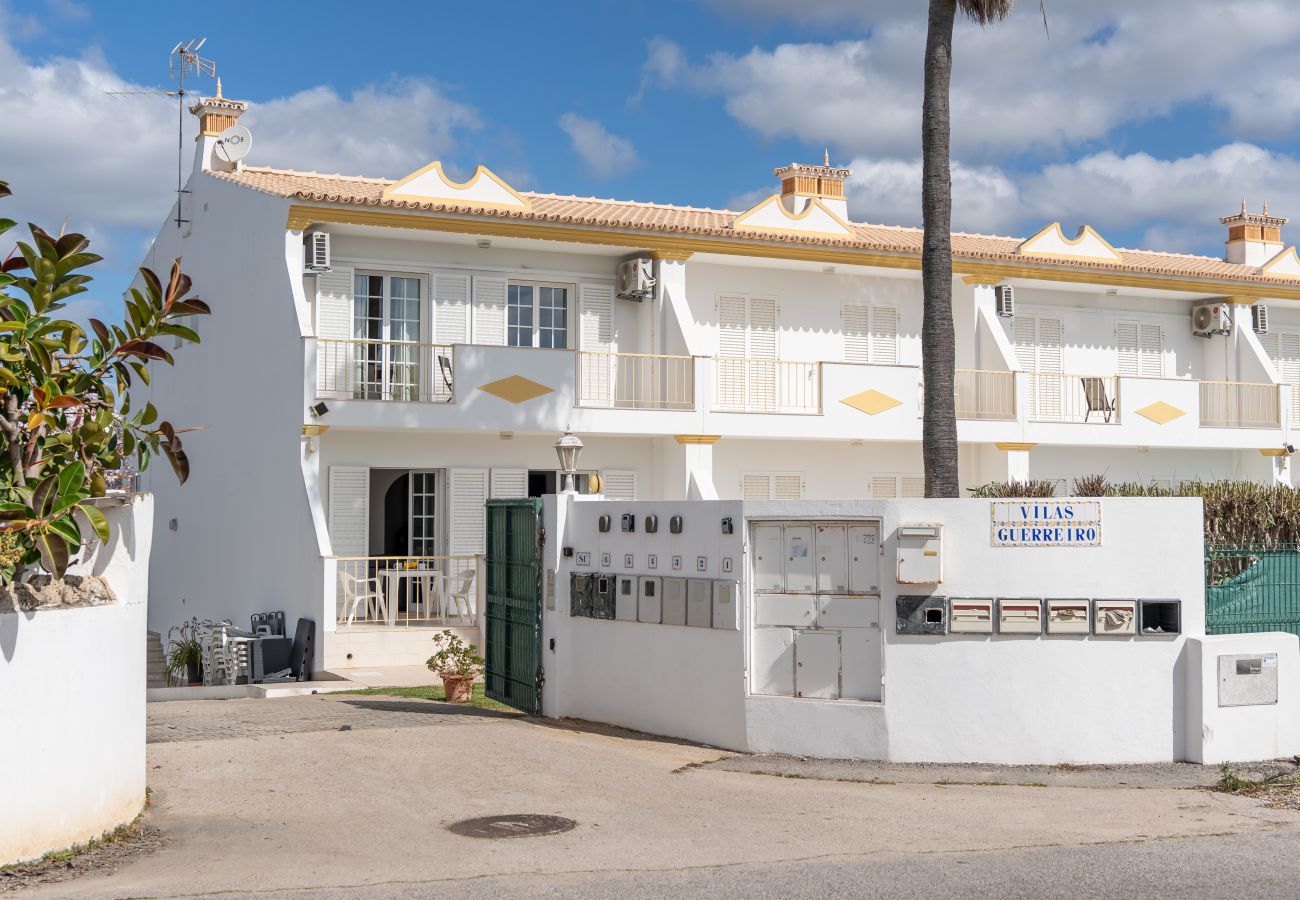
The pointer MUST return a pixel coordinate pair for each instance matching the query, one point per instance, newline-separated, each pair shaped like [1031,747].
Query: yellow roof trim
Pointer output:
[742,224]
[1027,247]
[394,190]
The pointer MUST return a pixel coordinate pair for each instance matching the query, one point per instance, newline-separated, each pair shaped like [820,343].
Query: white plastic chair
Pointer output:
[363,590]
[459,599]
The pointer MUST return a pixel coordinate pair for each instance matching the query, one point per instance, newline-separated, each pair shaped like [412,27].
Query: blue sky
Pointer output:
[1145,120]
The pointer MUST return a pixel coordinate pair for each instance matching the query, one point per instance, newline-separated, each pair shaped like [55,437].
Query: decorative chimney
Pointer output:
[1253,238]
[216,114]
[801,183]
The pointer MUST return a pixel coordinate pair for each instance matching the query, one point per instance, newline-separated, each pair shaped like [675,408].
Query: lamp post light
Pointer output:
[568,448]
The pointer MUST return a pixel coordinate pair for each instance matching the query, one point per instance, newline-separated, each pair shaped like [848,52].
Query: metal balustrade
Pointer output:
[1082,399]
[1237,404]
[635,381]
[985,395]
[407,590]
[768,386]
[384,370]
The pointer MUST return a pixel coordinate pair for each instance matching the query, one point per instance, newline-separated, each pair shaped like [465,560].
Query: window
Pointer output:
[870,334]
[537,315]
[1141,349]
[891,487]
[771,486]
[386,317]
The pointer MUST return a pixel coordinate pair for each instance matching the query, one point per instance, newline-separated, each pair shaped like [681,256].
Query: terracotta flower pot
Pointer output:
[458,688]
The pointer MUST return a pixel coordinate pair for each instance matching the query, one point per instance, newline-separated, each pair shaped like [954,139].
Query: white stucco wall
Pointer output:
[999,698]
[1219,734]
[72,700]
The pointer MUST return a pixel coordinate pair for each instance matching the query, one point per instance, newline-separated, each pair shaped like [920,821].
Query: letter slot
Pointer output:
[1020,616]
[970,616]
[649,607]
[920,554]
[1068,617]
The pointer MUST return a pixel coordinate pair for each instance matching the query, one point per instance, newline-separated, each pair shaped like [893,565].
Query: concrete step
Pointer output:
[155,661]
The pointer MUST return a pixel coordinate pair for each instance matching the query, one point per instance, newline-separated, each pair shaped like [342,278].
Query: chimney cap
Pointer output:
[823,171]
[1249,218]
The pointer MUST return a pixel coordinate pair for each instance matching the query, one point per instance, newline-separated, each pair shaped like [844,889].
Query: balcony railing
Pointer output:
[768,386]
[384,370]
[635,381]
[985,395]
[407,590]
[1235,404]
[1090,399]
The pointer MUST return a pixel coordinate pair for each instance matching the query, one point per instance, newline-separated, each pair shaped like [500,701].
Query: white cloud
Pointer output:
[606,155]
[984,198]
[1014,89]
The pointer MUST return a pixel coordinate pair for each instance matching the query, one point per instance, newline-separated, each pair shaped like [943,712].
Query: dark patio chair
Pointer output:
[1094,393]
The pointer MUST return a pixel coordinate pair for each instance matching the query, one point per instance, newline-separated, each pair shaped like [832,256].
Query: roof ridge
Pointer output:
[336,176]
[645,204]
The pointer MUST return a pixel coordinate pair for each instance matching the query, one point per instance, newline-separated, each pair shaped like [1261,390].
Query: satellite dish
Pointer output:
[234,143]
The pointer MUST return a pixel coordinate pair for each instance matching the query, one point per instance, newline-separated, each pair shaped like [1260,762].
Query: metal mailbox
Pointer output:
[921,615]
[674,601]
[1114,617]
[1020,616]
[625,602]
[968,615]
[920,554]
[726,605]
[699,603]
[1159,617]
[1069,617]
[1248,679]
[581,586]
[649,605]
[602,598]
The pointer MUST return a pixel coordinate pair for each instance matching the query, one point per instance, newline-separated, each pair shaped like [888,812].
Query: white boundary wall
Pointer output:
[996,698]
[72,703]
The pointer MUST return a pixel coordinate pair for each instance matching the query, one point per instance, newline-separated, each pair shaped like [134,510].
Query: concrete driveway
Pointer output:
[271,797]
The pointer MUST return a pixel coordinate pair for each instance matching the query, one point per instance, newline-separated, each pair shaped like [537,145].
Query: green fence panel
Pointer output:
[1250,589]
[514,604]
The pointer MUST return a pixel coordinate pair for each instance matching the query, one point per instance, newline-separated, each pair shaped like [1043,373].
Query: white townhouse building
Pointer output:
[385,355]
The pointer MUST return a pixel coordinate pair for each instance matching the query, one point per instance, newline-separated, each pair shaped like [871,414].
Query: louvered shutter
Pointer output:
[1024,335]
[349,514]
[509,483]
[1126,343]
[884,487]
[787,486]
[855,323]
[911,487]
[756,487]
[597,374]
[884,335]
[451,303]
[763,392]
[1051,340]
[1289,356]
[467,491]
[618,484]
[1151,343]
[334,329]
[733,324]
[489,310]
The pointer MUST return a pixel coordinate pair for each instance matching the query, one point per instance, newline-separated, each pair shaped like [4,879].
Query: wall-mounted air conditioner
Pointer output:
[1005,295]
[316,257]
[1259,318]
[636,280]
[1212,318]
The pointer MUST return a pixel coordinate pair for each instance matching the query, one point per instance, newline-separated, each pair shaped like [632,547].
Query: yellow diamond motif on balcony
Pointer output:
[871,402]
[515,389]
[1160,412]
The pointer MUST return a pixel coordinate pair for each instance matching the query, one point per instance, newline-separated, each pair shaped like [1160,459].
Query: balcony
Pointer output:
[1080,399]
[985,395]
[1234,404]
[635,381]
[407,591]
[384,370]
[768,386]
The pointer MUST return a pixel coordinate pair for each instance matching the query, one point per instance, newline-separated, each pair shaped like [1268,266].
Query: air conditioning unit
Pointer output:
[1212,318]
[1259,318]
[635,279]
[1006,300]
[317,255]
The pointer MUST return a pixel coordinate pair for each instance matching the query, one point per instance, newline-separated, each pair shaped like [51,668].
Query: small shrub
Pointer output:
[1015,490]
[1090,486]
[454,658]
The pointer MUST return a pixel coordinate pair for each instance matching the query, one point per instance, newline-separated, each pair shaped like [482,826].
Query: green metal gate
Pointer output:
[514,604]
[1252,589]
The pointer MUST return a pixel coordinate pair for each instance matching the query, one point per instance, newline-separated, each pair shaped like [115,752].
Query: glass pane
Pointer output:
[553,306]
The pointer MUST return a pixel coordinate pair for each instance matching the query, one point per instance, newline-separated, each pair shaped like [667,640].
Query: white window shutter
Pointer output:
[756,486]
[349,518]
[1024,335]
[467,491]
[1271,347]
[1152,340]
[618,484]
[509,484]
[884,487]
[911,487]
[884,335]
[1127,348]
[787,486]
[597,374]
[489,310]
[334,304]
[733,322]
[1051,340]
[762,328]
[451,303]
[855,324]
[1289,354]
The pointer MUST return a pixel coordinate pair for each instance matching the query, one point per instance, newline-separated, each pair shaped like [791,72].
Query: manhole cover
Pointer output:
[526,825]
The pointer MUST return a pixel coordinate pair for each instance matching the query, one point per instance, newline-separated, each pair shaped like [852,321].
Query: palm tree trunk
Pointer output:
[938,346]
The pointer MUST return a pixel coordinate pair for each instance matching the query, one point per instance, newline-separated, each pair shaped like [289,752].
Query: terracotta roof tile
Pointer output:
[662,218]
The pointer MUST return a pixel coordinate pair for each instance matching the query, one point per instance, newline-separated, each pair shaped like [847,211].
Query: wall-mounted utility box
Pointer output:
[848,611]
[817,664]
[921,615]
[970,616]
[1248,679]
[726,605]
[626,600]
[790,610]
[649,606]
[1020,616]
[1114,617]
[699,603]
[920,554]
[602,598]
[581,590]
[1160,617]
[1069,617]
[674,601]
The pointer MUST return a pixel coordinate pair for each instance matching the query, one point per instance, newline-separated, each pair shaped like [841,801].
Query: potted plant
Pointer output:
[458,664]
[185,652]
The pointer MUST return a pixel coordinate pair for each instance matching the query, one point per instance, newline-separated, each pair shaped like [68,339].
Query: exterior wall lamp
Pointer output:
[568,448]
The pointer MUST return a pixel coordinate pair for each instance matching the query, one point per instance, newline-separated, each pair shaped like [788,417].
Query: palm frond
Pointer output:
[986,11]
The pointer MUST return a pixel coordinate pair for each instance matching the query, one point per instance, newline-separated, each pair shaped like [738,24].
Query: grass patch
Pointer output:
[119,835]
[434,692]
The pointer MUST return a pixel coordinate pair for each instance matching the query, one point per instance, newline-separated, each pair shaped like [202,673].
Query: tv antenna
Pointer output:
[184,61]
